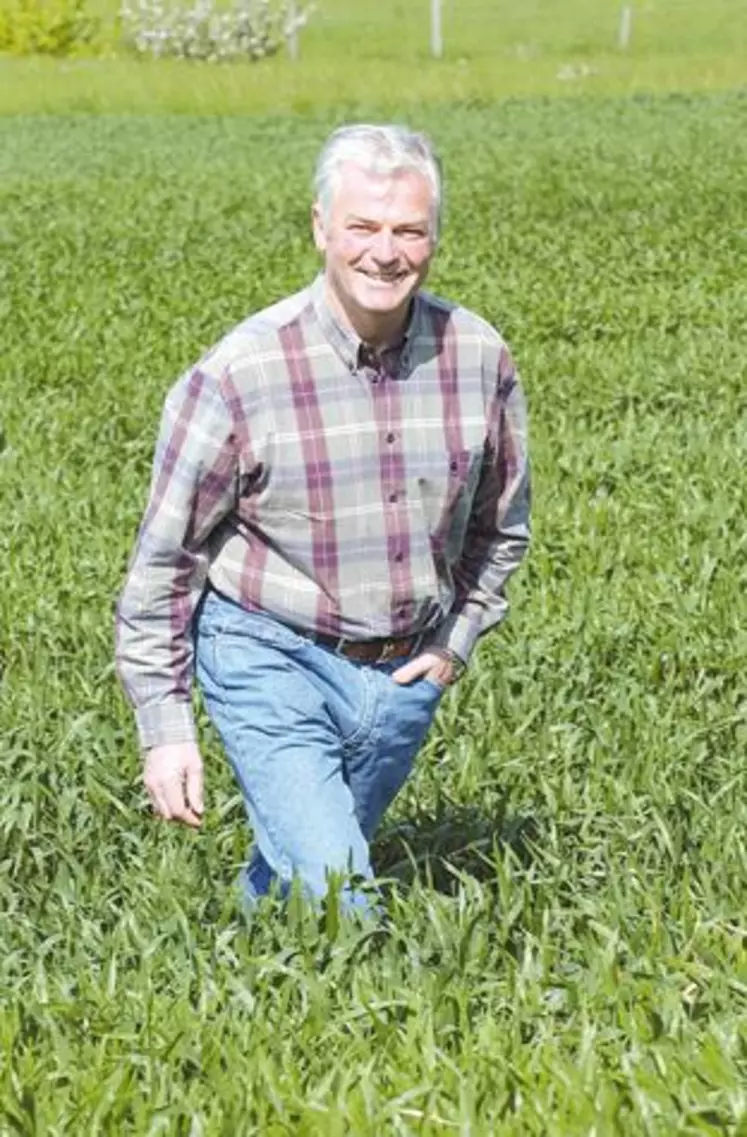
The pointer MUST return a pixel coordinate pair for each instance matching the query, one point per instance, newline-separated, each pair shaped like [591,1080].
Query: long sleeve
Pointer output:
[193,488]
[499,527]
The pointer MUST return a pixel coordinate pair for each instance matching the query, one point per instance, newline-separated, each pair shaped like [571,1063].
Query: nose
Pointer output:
[384,249]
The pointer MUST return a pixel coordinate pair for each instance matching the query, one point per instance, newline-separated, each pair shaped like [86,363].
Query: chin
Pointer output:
[380,300]
[383,304]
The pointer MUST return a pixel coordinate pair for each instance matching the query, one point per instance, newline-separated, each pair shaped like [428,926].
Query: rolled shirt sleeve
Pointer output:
[193,488]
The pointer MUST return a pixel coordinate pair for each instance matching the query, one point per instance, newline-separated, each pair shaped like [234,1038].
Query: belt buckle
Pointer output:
[388,651]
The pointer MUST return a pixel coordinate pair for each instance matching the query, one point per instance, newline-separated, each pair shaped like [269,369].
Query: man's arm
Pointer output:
[499,527]
[192,490]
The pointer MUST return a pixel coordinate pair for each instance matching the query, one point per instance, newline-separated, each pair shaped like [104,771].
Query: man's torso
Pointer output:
[353,487]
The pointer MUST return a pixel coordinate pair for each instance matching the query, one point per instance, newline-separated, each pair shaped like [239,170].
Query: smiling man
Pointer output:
[340,493]
[376,232]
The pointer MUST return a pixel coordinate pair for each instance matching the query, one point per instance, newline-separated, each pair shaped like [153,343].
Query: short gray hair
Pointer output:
[387,149]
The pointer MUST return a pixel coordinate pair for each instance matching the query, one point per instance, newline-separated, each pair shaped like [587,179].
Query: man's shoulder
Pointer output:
[464,322]
[256,335]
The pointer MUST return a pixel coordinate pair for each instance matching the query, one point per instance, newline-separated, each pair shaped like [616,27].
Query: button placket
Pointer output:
[386,399]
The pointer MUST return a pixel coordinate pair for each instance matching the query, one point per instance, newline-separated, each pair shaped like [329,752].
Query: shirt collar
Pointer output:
[346,342]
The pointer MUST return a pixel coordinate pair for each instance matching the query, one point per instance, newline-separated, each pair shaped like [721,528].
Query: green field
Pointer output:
[360,53]
[565,951]
[572,959]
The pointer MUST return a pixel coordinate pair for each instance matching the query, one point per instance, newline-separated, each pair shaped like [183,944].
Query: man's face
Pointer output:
[377,245]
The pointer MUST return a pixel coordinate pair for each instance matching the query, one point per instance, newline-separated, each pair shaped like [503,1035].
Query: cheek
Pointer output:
[418,258]
[347,250]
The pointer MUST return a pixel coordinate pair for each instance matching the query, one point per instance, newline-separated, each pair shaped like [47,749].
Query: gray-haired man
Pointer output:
[340,493]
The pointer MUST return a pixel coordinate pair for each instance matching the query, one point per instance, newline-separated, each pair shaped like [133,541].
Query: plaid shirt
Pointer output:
[301,476]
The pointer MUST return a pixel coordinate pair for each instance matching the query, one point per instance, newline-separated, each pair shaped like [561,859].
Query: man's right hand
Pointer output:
[173,779]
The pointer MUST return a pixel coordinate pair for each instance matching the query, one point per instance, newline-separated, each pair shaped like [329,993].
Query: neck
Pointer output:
[378,331]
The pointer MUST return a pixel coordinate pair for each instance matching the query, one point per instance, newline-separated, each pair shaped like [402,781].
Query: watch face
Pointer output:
[457,666]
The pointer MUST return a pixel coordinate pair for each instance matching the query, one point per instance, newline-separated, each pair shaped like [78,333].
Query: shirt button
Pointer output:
[391,437]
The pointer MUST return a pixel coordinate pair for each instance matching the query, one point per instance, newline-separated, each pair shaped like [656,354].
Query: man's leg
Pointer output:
[285,748]
[382,726]
[379,766]
[378,763]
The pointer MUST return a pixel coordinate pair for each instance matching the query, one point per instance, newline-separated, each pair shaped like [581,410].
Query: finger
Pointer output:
[159,802]
[168,800]
[181,813]
[413,669]
[405,674]
[194,789]
[172,792]
[441,673]
[179,807]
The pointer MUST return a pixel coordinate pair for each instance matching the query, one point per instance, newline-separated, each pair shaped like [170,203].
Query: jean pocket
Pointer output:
[226,619]
[432,686]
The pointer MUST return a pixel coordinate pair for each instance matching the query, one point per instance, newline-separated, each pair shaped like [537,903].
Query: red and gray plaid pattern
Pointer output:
[301,480]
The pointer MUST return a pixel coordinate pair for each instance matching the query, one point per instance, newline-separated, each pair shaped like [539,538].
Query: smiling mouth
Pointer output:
[382,278]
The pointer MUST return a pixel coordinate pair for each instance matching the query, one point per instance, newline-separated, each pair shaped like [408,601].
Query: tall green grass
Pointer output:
[566,947]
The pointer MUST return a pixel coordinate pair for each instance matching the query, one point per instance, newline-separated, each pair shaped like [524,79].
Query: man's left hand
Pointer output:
[438,668]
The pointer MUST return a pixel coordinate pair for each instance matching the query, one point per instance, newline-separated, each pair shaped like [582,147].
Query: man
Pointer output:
[340,493]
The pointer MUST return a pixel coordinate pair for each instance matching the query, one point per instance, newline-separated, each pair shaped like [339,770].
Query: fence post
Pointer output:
[291,34]
[626,27]
[437,42]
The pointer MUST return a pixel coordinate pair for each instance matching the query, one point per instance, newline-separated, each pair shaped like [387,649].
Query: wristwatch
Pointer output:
[458,666]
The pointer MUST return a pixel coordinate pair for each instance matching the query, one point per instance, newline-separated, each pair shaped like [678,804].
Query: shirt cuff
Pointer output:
[164,723]
[457,634]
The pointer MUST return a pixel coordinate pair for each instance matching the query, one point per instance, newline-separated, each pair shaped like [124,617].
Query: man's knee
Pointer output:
[338,864]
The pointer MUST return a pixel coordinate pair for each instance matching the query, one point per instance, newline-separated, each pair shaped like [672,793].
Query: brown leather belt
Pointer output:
[368,651]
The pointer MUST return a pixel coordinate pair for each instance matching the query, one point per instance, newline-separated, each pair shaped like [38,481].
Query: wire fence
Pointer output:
[472,29]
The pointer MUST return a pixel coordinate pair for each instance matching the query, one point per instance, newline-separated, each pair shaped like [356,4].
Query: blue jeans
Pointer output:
[320,745]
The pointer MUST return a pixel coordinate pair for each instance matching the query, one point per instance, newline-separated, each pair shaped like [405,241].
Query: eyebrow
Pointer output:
[410,223]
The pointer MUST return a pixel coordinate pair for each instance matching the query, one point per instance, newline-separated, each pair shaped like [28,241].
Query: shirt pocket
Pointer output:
[446,483]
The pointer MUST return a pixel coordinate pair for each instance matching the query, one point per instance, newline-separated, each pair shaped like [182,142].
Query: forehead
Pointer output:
[364,193]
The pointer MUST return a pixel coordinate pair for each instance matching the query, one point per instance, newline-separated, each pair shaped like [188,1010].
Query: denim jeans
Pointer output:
[320,745]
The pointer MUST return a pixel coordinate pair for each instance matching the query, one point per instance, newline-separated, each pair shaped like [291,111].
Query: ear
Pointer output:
[317,224]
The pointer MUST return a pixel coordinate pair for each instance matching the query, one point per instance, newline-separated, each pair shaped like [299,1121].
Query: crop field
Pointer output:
[565,948]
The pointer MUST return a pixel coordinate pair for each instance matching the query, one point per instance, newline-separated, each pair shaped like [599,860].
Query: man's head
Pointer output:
[376,217]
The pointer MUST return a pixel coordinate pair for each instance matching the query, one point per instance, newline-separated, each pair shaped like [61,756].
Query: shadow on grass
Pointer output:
[439,848]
